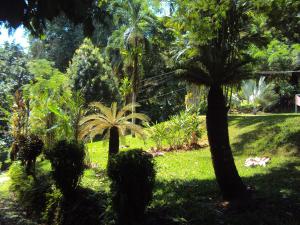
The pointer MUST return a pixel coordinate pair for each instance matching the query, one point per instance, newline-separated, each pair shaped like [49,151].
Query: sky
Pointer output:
[19,36]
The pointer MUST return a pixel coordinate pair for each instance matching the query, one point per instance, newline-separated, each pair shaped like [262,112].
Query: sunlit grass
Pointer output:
[186,189]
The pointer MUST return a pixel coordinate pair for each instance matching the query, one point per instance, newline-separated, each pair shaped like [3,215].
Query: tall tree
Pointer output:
[137,25]
[214,37]
[59,42]
[88,74]
[13,75]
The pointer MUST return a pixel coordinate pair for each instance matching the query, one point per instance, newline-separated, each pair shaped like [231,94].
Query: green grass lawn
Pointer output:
[186,191]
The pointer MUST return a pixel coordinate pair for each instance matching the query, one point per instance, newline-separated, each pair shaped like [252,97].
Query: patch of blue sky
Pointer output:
[18,36]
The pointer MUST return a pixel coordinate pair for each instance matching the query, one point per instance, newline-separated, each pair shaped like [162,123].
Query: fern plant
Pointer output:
[110,119]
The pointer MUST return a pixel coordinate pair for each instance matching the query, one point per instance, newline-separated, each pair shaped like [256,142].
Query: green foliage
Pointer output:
[209,47]
[49,95]
[88,75]
[67,162]
[13,70]
[128,44]
[132,176]
[59,42]
[157,132]
[51,214]
[13,75]
[106,118]
[277,55]
[30,192]
[258,95]
[182,129]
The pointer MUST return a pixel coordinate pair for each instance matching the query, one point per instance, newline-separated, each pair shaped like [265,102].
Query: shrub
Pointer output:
[158,133]
[30,192]
[182,129]
[27,149]
[67,162]
[132,176]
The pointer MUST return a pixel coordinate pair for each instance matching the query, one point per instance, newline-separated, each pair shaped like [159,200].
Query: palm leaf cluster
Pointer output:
[105,118]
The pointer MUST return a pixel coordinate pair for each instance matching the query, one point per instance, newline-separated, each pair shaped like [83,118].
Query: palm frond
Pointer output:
[127,108]
[139,116]
[114,109]
[103,109]
[92,131]
[94,117]
[133,127]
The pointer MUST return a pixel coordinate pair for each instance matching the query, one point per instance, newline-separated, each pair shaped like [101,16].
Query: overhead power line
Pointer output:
[150,78]
[278,72]
[158,96]
[157,82]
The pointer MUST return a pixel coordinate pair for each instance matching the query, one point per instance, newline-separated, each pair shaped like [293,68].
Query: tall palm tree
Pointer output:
[137,27]
[112,120]
[215,54]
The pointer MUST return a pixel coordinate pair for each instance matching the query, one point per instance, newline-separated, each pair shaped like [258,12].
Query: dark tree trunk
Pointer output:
[113,141]
[227,176]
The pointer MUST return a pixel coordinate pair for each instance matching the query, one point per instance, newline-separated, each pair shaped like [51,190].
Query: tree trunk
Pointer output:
[113,141]
[135,84]
[230,183]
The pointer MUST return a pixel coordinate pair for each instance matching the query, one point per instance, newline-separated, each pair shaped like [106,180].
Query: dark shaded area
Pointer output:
[86,207]
[276,201]
[32,14]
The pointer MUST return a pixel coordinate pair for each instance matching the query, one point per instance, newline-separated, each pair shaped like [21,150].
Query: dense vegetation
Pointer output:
[172,78]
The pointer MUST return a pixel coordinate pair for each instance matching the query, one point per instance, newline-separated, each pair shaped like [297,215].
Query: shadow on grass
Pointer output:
[277,201]
[271,133]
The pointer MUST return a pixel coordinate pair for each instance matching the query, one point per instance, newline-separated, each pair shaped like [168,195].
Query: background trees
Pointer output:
[89,76]
[60,40]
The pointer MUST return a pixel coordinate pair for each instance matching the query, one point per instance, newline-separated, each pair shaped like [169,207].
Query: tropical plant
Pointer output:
[137,25]
[110,119]
[180,131]
[158,132]
[48,95]
[259,94]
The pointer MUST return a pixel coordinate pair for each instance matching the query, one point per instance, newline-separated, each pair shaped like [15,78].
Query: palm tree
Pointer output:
[215,55]
[112,120]
[137,26]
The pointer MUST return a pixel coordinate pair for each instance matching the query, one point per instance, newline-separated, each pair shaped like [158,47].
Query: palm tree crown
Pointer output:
[106,118]
[110,119]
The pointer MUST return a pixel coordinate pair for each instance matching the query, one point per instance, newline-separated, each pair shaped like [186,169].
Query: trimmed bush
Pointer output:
[67,162]
[132,176]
